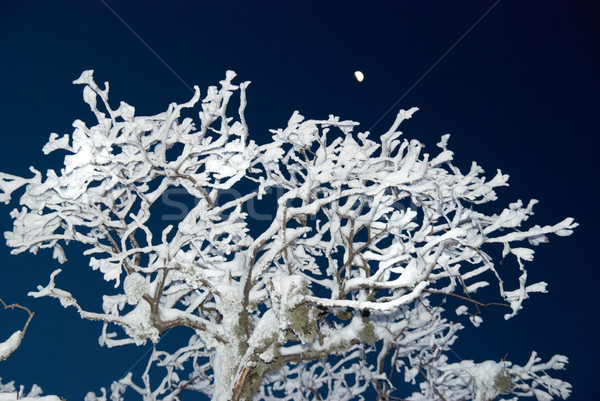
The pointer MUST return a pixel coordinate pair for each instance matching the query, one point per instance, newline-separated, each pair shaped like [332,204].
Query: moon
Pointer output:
[359,76]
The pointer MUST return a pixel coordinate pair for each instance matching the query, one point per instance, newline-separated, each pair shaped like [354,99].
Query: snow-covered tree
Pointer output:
[340,294]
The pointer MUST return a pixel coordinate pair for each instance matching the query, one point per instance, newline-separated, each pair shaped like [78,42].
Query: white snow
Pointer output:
[10,345]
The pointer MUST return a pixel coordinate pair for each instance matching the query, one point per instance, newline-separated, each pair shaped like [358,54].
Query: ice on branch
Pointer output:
[341,294]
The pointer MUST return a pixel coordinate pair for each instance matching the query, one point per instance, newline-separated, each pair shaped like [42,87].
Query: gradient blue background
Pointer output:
[519,93]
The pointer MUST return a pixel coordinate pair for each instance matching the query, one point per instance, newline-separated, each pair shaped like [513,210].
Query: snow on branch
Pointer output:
[12,343]
[8,391]
[488,380]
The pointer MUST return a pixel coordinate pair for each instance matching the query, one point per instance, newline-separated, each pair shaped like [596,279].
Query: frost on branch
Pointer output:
[342,292]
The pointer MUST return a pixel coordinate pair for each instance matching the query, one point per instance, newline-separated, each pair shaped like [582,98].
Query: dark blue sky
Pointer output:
[519,93]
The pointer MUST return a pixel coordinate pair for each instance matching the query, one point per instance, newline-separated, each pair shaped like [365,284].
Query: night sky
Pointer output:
[518,93]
